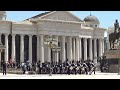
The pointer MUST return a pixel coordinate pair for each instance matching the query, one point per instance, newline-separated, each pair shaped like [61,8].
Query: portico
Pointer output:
[25,40]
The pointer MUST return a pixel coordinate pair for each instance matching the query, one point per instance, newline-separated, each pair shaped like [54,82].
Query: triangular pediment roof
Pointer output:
[57,15]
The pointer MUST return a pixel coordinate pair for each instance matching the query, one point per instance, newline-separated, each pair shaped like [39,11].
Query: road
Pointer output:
[98,75]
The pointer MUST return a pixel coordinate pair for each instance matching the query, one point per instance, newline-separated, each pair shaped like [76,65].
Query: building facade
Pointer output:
[78,39]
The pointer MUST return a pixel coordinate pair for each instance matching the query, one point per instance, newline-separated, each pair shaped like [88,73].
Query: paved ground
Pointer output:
[98,75]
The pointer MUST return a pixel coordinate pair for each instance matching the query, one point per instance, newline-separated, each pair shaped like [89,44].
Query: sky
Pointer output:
[106,18]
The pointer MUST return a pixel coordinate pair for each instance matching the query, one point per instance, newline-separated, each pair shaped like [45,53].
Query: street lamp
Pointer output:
[1,49]
[50,41]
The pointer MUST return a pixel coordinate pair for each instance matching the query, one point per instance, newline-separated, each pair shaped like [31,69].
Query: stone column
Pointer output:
[13,48]
[85,48]
[30,48]
[70,49]
[77,49]
[0,38]
[80,51]
[100,47]
[67,47]
[90,49]
[38,47]
[0,51]
[42,48]
[74,53]
[6,45]
[21,48]
[95,51]
[103,45]
[63,49]
[49,54]
[57,53]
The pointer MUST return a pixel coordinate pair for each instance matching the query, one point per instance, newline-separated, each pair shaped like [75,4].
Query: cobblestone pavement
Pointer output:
[98,75]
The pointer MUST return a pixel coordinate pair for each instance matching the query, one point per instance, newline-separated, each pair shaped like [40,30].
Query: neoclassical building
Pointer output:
[78,39]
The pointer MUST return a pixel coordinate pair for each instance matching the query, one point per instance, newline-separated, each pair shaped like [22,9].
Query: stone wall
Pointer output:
[114,68]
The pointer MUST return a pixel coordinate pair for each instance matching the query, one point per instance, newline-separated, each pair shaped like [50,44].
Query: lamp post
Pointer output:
[1,49]
[50,40]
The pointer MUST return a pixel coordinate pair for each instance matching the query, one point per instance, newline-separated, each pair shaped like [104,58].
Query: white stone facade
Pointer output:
[70,31]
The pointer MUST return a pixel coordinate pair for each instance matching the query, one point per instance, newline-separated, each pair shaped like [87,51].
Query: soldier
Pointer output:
[39,66]
[75,69]
[4,68]
[60,66]
[68,70]
[92,66]
[51,69]
[85,67]
[23,67]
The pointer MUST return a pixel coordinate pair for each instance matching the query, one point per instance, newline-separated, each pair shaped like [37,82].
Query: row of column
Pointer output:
[74,51]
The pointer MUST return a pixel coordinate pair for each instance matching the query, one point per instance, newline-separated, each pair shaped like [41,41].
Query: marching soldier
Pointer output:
[60,66]
[39,67]
[51,70]
[85,67]
[4,68]
[92,66]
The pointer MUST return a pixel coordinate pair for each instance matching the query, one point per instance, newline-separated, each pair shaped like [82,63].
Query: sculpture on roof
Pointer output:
[2,15]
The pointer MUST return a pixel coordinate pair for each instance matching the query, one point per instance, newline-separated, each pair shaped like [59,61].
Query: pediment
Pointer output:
[61,15]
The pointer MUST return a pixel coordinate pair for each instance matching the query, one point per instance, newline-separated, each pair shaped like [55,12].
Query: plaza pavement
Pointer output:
[98,75]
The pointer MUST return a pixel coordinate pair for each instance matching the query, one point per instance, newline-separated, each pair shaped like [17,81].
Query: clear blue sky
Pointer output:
[106,18]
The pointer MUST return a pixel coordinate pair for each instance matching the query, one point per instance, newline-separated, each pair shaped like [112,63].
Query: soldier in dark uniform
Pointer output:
[85,66]
[39,67]
[24,67]
[56,68]
[51,69]
[92,66]
[101,66]
[88,64]
[79,67]
[60,67]
[75,69]
[68,69]
[4,68]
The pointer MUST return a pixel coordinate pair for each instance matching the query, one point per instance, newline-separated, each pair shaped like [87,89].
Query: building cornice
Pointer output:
[59,21]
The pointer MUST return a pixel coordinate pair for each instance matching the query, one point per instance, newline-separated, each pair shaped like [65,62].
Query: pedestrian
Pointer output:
[4,68]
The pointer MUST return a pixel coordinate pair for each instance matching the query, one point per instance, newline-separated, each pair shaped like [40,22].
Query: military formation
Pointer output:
[67,67]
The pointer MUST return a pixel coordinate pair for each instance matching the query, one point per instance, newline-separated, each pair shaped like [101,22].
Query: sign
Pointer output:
[56,49]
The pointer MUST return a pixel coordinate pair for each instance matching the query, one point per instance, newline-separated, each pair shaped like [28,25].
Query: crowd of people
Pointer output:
[67,67]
